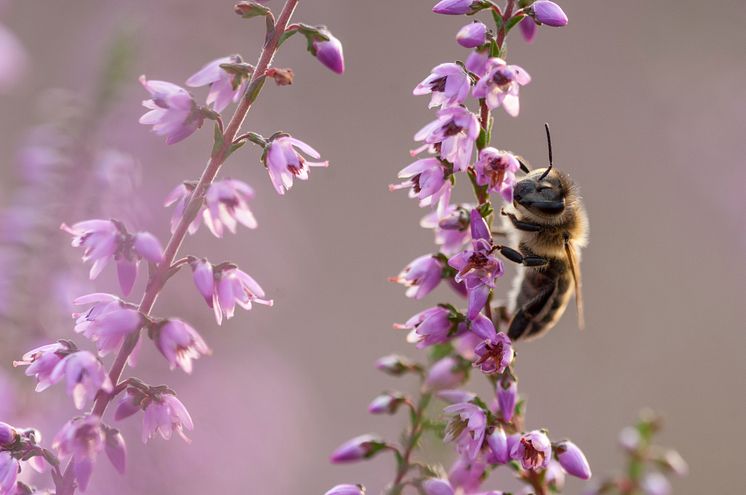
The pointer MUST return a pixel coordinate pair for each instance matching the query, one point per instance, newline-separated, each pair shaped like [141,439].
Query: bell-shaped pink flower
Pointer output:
[498,443]
[453,134]
[284,163]
[528,28]
[172,110]
[429,327]
[9,468]
[447,83]
[42,361]
[421,276]
[106,240]
[85,377]
[451,227]
[446,373]
[467,474]
[346,489]
[226,205]
[108,321]
[477,61]
[500,85]
[507,396]
[224,86]
[180,344]
[496,169]
[466,428]
[8,434]
[494,355]
[82,439]
[533,451]
[165,415]
[330,52]
[472,35]
[427,180]
[225,286]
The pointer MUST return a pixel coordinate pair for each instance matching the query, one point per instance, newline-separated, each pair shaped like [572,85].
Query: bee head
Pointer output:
[542,193]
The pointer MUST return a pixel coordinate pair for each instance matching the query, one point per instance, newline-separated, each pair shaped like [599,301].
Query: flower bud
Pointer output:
[549,13]
[445,374]
[357,449]
[8,434]
[673,461]
[395,365]
[506,398]
[347,490]
[454,7]
[472,35]
[330,52]
[498,443]
[572,460]
[386,403]
[116,450]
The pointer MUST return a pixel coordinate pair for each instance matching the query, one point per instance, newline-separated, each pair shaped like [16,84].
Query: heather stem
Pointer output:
[410,443]
[502,31]
[160,276]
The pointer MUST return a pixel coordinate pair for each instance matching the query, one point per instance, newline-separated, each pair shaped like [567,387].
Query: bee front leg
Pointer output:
[520,224]
[517,257]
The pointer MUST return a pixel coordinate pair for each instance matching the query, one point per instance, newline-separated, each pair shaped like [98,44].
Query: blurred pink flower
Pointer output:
[172,110]
[164,416]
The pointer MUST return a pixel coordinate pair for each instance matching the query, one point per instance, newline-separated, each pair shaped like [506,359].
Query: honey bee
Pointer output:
[549,224]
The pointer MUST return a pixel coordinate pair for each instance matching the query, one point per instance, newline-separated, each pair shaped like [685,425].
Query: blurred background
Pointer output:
[647,104]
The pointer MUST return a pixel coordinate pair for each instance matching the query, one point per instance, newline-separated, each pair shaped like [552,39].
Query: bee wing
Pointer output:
[572,258]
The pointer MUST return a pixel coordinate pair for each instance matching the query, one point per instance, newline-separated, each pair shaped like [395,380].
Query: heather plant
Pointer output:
[118,327]
[464,338]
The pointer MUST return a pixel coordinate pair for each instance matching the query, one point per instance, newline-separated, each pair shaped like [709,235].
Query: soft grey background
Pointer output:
[647,103]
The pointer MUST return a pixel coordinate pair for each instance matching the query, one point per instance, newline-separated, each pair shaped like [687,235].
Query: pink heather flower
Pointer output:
[472,35]
[386,403]
[330,52]
[438,486]
[173,112]
[13,60]
[456,396]
[129,404]
[451,227]
[395,365]
[429,327]
[467,428]
[554,476]
[224,87]
[226,205]
[454,7]
[347,490]
[428,181]
[284,163]
[477,268]
[498,443]
[116,449]
[104,240]
[572,460]
[448,84]
[164,416]
[421,276]
[507,396]
[549,13]
[500,85]
[42,361]
[81,438]
[467,474]
[528,28]
[357,449]
[476,62]
[8,434]
[453,133]
[655,484]
[534,450]
[9,468]
[445,374]
[108,322]
[225,286]
[85,376]
[496,169]
[180,343]
[494,355]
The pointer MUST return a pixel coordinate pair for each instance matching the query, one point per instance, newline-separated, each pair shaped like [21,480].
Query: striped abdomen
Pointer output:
[539,298]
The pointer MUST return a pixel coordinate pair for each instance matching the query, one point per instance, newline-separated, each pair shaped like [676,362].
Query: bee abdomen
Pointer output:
[540,302]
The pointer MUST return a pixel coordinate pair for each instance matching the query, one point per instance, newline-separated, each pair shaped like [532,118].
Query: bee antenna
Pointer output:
[549,145]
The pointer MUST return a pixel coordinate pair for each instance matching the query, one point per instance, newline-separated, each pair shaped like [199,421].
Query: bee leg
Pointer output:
[517,257]
[521,225]
[523,322]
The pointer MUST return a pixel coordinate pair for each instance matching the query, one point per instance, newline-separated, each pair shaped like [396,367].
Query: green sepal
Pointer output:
[485,209]
[513,21]
[218,140]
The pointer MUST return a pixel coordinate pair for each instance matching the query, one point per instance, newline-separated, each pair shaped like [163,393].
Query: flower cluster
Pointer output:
[114,325]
